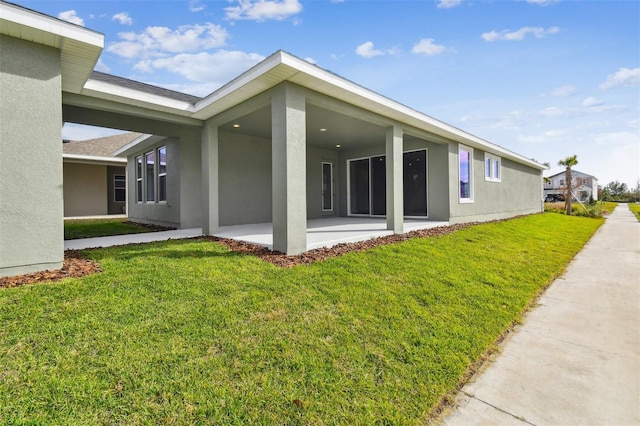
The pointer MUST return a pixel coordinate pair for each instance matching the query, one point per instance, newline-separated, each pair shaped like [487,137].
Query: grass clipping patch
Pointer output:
[75,265]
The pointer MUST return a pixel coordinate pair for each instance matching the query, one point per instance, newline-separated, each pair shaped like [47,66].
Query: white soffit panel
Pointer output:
[80,46]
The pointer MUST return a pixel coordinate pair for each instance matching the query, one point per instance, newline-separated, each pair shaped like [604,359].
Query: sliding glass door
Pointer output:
[359,186]
[368,185]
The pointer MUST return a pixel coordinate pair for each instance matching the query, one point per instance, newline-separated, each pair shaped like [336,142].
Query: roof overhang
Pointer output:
[282,67]
[80,47]
[93,159]
[140,143]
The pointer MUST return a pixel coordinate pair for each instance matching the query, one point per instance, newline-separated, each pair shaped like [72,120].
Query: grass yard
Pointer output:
[88,228]
[635,209]
[185,332]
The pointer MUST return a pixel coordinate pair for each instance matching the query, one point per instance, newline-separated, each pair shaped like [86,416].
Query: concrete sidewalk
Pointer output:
[119,240]
[576,358]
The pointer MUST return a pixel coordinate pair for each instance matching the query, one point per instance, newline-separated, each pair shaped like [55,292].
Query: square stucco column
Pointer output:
[395,199]
[210,192]
[288,148]
[31,198]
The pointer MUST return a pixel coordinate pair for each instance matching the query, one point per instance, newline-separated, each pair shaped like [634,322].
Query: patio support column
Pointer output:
[395,201]
[210,212]
[288,164]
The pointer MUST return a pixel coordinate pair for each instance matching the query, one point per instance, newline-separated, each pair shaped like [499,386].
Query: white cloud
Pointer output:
[158,41]
[101,66]
[623,77]
[591,102]
[71,16]
[448,4]
[123,18]
[519,35]
[214,69]
[196,6]
[366,50]
[263,10]
[427,46]
[564,91]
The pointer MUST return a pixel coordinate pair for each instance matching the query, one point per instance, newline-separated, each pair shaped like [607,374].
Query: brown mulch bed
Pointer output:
[77,265]
[282,260]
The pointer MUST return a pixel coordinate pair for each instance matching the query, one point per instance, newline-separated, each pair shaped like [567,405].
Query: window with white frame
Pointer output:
[162,174]
[119,188]
[492,165]
[465,173]
[149,177]
[139,197]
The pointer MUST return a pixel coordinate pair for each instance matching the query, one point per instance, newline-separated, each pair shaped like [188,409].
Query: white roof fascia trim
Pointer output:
[243,79]
[93,158]
[49,24]
[128,149]
[335,80]
[95,87]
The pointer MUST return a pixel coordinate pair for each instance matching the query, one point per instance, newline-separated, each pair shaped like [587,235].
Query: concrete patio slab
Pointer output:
[326,232]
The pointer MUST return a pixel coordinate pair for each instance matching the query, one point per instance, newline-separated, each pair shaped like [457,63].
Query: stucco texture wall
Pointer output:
[245,179]
[518,193]
[31,203]
[85,189]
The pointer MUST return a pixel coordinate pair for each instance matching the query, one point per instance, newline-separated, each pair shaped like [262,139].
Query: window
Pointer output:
[162,174]
[149,177]
[119,188]
[561,182]
[465,173]
[491,168]
[139,179]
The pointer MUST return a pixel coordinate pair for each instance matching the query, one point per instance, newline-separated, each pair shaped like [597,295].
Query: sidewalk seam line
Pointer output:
[522,419]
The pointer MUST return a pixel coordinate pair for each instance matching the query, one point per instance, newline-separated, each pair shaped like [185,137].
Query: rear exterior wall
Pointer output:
[518,193]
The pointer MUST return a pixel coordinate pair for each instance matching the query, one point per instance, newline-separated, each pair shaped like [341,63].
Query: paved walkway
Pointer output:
[118,240]
[576,358]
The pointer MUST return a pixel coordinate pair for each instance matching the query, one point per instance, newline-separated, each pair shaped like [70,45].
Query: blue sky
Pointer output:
[545,78]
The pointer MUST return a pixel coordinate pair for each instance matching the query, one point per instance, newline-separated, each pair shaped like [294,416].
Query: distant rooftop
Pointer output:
[99,147]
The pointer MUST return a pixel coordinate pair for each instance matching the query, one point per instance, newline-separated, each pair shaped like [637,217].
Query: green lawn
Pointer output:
[635,209]
[185,332]
[87,228]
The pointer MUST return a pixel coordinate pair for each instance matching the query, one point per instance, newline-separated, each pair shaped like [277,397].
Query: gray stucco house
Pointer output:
[583,186]
[94,180]
[285,142]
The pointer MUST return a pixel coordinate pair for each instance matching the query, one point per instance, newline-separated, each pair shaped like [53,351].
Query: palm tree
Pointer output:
[568,163]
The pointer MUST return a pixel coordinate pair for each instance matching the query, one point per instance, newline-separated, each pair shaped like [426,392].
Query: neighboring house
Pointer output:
[584,187]
[94,180]
[284,143]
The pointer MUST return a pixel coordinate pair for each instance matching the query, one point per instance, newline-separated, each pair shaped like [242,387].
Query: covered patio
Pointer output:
[325,232]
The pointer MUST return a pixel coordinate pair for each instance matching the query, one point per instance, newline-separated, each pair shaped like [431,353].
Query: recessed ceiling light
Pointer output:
[338,146]
[323,130]
[236,125]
